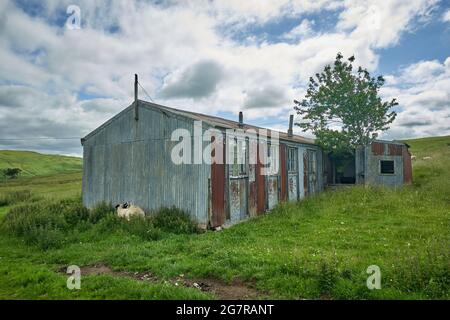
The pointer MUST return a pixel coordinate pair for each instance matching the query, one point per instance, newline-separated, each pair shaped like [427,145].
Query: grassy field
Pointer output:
[319,248]
[36,164]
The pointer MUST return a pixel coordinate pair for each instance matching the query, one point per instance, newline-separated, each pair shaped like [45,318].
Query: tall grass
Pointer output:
[52,224]
[14,197]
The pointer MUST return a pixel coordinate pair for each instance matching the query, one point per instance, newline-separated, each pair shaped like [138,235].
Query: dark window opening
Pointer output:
[387,167]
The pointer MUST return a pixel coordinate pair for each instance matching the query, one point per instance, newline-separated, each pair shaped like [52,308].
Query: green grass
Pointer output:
[36,164]
[317,248]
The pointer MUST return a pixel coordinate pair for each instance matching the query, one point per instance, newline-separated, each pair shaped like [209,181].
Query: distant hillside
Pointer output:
[423,147]
[37,164]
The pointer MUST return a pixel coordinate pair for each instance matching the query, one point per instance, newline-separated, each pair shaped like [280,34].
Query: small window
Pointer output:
[387,167]
[238,150]
[292,160]
[272,153]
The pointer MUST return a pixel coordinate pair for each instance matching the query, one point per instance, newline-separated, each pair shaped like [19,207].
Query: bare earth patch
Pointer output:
[236,290]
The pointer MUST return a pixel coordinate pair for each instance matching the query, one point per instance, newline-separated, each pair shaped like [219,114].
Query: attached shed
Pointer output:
[380,163]
[128,158]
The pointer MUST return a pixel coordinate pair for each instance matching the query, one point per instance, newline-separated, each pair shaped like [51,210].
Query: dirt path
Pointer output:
[236,290]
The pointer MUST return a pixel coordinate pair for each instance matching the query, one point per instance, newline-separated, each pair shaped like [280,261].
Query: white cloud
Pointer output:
[304,29]
[168,44]
[424,99]
[446,16]
[382,22]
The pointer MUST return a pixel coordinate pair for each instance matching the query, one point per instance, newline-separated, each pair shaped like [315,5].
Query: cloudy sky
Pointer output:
[215,57]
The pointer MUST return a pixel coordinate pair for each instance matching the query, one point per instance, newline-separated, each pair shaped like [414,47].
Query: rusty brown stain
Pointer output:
[377,148]
[218,192]
[252,184]
[252,199]
[395,149]
[283,173]
[407,166]
[260,186]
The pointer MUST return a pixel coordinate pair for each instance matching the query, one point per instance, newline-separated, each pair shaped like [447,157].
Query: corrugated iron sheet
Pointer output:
[395,149]
[377,148]
[260,185]
[407,166]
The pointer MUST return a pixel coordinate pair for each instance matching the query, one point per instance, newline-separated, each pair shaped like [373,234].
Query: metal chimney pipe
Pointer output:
[136,111]
[241,119]
[291,123]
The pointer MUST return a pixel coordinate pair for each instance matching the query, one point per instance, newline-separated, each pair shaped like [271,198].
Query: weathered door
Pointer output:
[292,171]
[273,176]
[283,173]
[260,183]
[238,180]
[305,173]
[252,182]
[312,171]
[218,189]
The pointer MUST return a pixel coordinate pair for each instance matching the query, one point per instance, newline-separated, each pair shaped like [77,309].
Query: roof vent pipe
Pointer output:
[136,111]
[241,119]
[291,122]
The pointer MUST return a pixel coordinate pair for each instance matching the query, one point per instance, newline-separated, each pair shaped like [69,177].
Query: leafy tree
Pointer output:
[12,173]
[342,107]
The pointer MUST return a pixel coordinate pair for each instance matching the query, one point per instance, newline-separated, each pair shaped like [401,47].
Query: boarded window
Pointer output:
[387,167]
[292,160]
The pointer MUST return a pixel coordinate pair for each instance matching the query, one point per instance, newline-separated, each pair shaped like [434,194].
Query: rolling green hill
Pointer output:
[37,164]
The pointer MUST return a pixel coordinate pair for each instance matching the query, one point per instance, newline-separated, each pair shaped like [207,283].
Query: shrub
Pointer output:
[328,276]
[101,211]
[14,197]
[45,237]
[174,220]
[36,224]
[139,226]
[47,224]
[12,173]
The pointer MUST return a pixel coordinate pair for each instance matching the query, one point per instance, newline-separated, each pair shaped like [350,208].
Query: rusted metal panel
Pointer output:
[252,186]
[395,149]
[377,148]
[217,191]
[260,185]
[407,166]
[283,173]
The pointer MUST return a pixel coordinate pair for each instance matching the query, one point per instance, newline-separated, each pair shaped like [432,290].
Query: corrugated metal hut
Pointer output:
[128,159]
[380,163]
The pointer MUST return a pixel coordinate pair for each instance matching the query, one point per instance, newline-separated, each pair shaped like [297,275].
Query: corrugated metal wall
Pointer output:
[383,151]
[407,166]
[131,161]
